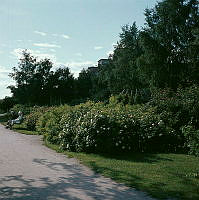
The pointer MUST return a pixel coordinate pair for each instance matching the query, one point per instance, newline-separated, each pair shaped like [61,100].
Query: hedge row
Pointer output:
[169,123]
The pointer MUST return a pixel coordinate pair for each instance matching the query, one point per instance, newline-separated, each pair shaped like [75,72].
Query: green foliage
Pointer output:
[169,124]
[4,117]
[36,83]
[69,123]
[49,123]
[6,104]
[180,109]
[25,109]
[167,41]
[32,118]
[181,106]
[115,128]
[192,139]
[157,66]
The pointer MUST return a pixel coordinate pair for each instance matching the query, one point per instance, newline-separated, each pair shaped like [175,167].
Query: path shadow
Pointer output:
[75,185]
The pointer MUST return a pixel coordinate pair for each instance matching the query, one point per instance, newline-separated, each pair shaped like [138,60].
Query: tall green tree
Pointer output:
[37,83]
[166,41]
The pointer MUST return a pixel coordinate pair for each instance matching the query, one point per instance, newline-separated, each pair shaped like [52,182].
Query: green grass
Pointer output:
[21,128]
[160,175]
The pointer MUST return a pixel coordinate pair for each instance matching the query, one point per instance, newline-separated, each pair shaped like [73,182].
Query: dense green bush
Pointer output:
[25,109]
[49,123]
[6,104]
[69,123]
[168,124]
[181,106]
[4,117]
[191,139]
[113,129]
[32,118]
[179,109]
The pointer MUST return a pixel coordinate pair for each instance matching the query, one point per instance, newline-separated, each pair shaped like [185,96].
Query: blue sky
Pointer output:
[74,33]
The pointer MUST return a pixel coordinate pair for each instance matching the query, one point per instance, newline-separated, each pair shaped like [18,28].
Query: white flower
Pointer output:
[116,144]
[123,147]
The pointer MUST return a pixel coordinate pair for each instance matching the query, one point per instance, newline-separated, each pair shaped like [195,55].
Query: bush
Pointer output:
[181,105]
[32,118]
[168,124]
[69,124]
[191,139]
[112,129]
[23,108]
[49,123]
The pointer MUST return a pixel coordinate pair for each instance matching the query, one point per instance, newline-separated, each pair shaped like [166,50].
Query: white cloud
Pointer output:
[36,53]
[62,35]
[109,53]
[75,64]
[76,67]
[40,33]
[4,74]
[5,81]
[65,36]
[98,47]
[47,45]
[4,70]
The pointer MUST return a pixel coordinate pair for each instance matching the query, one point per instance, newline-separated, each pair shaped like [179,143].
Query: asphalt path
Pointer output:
[31,171]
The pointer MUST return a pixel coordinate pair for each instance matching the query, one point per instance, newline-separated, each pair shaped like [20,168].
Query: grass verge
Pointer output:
[20,128]
[160,175]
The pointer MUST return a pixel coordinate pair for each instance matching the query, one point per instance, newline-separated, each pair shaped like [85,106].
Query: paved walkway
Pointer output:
[31,171]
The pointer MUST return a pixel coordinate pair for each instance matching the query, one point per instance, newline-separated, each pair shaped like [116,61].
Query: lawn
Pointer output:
[160,175]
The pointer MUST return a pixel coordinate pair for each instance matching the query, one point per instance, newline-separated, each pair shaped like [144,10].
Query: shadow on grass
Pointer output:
[138,157]
[185,188]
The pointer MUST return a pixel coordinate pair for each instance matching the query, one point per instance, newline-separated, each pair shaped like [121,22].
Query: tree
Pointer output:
[36,83]
[121,74]
[166,40]
[7,103]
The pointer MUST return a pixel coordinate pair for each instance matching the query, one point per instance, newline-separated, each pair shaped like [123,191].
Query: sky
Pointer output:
[71,33]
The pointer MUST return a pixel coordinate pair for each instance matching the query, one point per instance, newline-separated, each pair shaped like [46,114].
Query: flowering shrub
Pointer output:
[69,124]
[168,124]
[32,118]
[179,109]
[49,123]
[114,129]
